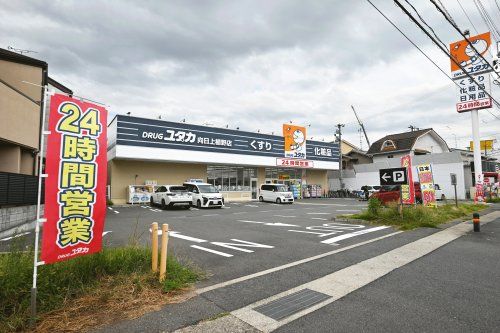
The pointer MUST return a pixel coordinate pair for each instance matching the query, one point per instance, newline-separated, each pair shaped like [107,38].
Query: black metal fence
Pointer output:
[17,189]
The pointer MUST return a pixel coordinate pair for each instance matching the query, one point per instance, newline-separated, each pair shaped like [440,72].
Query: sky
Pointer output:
[255,64]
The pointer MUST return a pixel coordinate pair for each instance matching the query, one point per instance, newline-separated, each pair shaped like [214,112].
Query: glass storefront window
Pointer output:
[228,179]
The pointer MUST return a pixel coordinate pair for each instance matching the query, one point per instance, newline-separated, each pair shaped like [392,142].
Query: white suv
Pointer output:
[275,193]
[170,196]
[204,195]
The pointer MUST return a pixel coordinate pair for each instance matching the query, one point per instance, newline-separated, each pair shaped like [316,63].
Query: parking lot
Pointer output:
[248,236]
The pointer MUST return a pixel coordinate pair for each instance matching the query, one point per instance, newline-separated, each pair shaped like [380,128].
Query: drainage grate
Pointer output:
[290,304]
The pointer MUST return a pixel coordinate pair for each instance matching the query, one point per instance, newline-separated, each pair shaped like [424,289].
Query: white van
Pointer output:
[204,195]
[275,193]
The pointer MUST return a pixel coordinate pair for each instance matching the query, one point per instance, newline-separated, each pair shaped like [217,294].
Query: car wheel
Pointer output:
[163,204]
[151,202]
[261,199]
[198,204]
[278,201]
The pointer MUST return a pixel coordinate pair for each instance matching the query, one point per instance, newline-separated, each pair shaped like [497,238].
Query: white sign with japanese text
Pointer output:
[472,96]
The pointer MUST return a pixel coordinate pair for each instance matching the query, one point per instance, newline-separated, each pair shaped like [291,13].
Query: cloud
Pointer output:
[248,64]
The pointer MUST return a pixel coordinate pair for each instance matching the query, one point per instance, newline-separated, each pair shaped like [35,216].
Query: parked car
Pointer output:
[370,188]
[204,195]
[170,196]
[439,193]
[275,193]
[388,194]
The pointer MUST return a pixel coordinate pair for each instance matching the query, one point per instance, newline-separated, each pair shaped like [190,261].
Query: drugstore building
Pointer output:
[146,152]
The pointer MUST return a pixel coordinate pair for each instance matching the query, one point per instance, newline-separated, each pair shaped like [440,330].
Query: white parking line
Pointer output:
[237,213]
[285,215]
[105,233]
[347,210]
[292,264]
[177,234]
[110,208]
[210,215]
[352,234]
[263,211]
[116,212]
[273,224]
[318,213]
[192,208]
[319,218]
[341,283]
[211,251]
[251,206]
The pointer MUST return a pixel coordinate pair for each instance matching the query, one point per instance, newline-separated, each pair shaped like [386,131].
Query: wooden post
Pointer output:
[154,246]
[163,255]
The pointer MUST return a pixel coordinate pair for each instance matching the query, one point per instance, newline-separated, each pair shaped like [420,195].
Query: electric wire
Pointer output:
[427,25]
[444,50]
[415,45]
[468,18]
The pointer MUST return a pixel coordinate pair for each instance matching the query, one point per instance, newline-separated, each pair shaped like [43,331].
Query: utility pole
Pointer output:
[339,136]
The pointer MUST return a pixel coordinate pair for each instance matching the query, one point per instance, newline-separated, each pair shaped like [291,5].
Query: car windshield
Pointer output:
[207,189]
[178,189]
[281,189]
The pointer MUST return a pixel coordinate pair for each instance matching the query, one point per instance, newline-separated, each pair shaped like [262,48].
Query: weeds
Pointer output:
[63,283]
[415,216]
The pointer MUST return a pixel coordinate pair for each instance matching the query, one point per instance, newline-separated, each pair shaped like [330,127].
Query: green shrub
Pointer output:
[374,206]
[493,200]
[416,216]
[63,281]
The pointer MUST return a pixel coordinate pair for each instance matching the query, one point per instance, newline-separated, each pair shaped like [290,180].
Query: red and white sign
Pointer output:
[75,187]
[295,163]
[472,96]
[408,191]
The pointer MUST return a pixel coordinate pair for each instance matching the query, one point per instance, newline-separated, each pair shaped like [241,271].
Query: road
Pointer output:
[431,280]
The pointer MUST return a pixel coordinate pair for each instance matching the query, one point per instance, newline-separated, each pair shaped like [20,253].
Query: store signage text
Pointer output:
[75,188]
[296,163]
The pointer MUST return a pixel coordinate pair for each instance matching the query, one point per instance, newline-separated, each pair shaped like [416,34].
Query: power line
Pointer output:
[486,19]
[417,47]
[454,25]
[444,50]
[468,18]
[428,26]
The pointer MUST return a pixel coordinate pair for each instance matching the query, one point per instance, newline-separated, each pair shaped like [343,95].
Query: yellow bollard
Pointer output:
[163,255]
[154,246]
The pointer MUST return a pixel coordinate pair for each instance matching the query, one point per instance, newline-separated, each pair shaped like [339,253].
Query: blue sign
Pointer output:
[133,131]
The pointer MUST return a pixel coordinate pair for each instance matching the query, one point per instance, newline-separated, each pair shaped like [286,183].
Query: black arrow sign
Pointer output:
[394,176]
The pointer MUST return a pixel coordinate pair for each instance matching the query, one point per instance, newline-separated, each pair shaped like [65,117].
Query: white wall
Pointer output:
[429,143]
[442,165]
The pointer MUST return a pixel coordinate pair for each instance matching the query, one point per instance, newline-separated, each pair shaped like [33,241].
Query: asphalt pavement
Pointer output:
[453,288]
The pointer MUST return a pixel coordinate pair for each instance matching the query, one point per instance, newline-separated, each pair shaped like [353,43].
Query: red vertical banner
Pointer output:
[75,187]
[408,191]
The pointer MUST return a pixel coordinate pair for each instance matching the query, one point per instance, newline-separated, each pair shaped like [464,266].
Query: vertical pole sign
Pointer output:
[75,187]
[427,185]
[474,91]
[408,191]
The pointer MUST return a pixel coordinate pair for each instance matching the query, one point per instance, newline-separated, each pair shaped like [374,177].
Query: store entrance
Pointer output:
[253,185]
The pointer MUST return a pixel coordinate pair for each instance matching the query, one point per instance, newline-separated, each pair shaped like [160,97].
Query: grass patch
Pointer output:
[415,217]
[89,283]
[493,200]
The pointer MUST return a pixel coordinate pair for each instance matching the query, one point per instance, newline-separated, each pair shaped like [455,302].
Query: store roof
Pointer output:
[21,59]
[402,141]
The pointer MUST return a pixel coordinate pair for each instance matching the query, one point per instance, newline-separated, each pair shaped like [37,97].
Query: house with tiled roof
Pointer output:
[416,142]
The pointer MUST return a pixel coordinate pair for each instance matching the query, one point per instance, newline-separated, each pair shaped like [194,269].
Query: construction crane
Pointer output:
[362,126]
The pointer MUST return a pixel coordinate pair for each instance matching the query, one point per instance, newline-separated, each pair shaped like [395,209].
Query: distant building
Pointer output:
[419,142]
